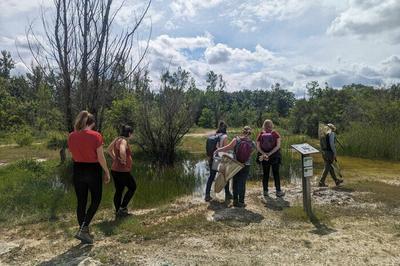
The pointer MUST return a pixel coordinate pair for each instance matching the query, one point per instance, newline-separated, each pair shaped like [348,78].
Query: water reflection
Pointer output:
[202,172]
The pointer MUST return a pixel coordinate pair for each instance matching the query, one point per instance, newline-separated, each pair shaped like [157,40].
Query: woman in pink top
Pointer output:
[121,154]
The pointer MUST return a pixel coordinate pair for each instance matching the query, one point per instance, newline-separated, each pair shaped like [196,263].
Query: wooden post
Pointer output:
[306,150]
[306,190]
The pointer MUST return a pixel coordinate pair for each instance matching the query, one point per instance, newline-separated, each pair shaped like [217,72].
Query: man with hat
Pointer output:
[327,143]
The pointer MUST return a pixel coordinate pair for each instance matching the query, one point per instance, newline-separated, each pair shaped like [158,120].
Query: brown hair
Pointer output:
[83,119]
[222,127]
[268,125]
[246,131]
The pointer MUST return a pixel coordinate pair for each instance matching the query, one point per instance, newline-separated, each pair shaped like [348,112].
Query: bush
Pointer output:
[109,134]
[206,119]
[31,165]
[57,140]
[24,137]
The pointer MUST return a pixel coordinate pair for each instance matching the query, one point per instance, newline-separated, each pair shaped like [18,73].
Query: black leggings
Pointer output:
[275,171]
[87,177]
[122,180]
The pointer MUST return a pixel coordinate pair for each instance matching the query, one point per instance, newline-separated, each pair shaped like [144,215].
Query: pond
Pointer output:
[44,190]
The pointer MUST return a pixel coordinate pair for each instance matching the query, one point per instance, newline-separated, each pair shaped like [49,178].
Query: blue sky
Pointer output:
[255,43]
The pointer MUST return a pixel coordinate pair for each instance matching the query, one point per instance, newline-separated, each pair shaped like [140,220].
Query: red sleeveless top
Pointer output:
[117,166]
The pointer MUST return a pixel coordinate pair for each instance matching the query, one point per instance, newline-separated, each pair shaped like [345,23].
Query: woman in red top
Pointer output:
[86,147]
[121,154]
[269,147]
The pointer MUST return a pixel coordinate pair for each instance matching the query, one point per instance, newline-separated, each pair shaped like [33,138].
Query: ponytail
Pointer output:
[83,119]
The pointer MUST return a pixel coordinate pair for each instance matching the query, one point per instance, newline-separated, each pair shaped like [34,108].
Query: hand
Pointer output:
[106,177]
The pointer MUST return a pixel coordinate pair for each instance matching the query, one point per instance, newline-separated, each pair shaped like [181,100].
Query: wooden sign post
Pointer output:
[306,150]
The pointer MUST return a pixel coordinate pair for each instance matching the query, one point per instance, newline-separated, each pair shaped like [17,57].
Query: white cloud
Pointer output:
[248,14]
[14,7]
[364,17]
[189,8]
[218,54]
[391,67]
[312,71]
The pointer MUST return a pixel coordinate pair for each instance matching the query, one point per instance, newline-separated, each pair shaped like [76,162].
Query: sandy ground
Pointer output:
[360,233]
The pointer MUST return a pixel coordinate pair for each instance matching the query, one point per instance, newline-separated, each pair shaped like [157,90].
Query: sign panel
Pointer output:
[308,171]
[307,161]
[305,148]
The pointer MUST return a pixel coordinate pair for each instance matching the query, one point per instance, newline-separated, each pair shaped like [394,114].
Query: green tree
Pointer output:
[6,64]
[206,119]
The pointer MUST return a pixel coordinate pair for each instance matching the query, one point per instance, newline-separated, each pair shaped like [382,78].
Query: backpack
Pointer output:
[268,141]
[211,144]
[324,142]
[244,148]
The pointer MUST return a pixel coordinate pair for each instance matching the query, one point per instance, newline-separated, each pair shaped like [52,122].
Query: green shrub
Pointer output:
[31,165]
[109,134]
[57,140]
[24,137]
[206,119]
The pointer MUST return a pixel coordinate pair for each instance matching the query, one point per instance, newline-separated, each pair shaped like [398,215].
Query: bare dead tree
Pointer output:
[87,51]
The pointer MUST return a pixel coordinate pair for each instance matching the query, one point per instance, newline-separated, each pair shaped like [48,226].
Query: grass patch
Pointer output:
[29,192]
[133,228]
[32,191]
[378,192]
[194,144]
[297,214]
[372,141]
[11,153]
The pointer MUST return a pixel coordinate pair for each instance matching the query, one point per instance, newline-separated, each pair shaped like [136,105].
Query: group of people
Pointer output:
[86,147]
[90,166]
[268,146]
[268,143]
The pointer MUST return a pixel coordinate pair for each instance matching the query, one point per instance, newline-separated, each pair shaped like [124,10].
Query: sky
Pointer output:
[253,44]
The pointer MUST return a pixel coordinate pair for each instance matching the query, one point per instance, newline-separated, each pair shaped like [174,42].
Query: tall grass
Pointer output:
[32,191]
[373,142]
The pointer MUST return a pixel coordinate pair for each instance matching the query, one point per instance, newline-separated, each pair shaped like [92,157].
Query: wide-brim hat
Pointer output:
[331,126]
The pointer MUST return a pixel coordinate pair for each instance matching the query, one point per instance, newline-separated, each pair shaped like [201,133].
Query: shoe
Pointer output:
[266,193]
[84,236]
[239,204]
[208,198]
[280,193]
[122,212]
[338,182]
[320,184]
[228,196]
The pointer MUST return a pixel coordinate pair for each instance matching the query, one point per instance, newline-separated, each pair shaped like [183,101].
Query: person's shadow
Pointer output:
[276,204]
[73,256]
[235,217]
[320,228]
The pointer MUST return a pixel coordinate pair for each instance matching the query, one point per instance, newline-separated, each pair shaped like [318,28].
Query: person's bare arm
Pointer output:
[122,151]
[228,147]
[103,163]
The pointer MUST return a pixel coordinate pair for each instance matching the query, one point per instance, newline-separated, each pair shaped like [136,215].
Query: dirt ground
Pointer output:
[349,229]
